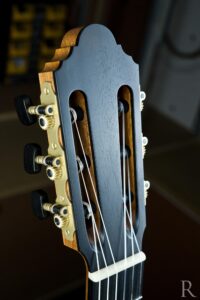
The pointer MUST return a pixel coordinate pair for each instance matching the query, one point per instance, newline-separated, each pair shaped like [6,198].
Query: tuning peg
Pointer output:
[33,161]
[146,188]
[28,113]
[42,208]
[144,144]
[31,152]
[38,199]
[22,104]
[142,98]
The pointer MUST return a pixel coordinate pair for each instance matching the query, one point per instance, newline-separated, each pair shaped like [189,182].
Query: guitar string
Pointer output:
[94,222]
[133,235]
[131,218]
[128,213]
[124,196]
[97,258]
[95,232]
[132,230]
[97,202]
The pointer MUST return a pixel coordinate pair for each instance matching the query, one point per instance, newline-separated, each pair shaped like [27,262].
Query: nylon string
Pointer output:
[97,202]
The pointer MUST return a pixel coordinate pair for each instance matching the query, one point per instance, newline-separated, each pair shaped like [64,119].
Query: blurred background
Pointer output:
[164,38]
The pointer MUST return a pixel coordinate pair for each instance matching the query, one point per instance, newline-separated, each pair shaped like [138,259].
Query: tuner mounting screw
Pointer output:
[46,91]
[53,173]
[46,122]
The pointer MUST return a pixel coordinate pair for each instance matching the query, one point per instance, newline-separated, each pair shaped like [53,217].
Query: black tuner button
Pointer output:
[31,151]
[38,199]
[22,104]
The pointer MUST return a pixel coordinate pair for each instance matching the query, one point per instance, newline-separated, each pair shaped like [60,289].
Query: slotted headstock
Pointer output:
[91,109]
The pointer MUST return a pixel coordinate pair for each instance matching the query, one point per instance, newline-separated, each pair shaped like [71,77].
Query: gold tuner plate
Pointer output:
[47,98]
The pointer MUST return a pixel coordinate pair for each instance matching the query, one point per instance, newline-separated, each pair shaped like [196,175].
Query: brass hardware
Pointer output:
[53,173]
[48,97]
[56,209]
[48,160]
[41,110]
[46,122]
[59,221]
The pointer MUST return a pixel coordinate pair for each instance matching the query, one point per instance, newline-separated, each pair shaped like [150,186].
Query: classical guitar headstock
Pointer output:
[91,110]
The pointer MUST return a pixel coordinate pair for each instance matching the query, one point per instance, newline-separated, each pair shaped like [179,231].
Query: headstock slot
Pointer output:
[78,109]
[125,96]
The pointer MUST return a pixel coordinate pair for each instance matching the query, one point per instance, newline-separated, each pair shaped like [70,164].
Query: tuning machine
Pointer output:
[33,161]
[144,144]
[28,113]
[146,188]
[142,98]
[47,115]
[42,208]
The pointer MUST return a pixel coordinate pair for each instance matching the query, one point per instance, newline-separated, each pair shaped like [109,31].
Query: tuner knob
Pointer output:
[22,104]
[31,151]
[59,221]
[53,173]
[39,198]
[46,122]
